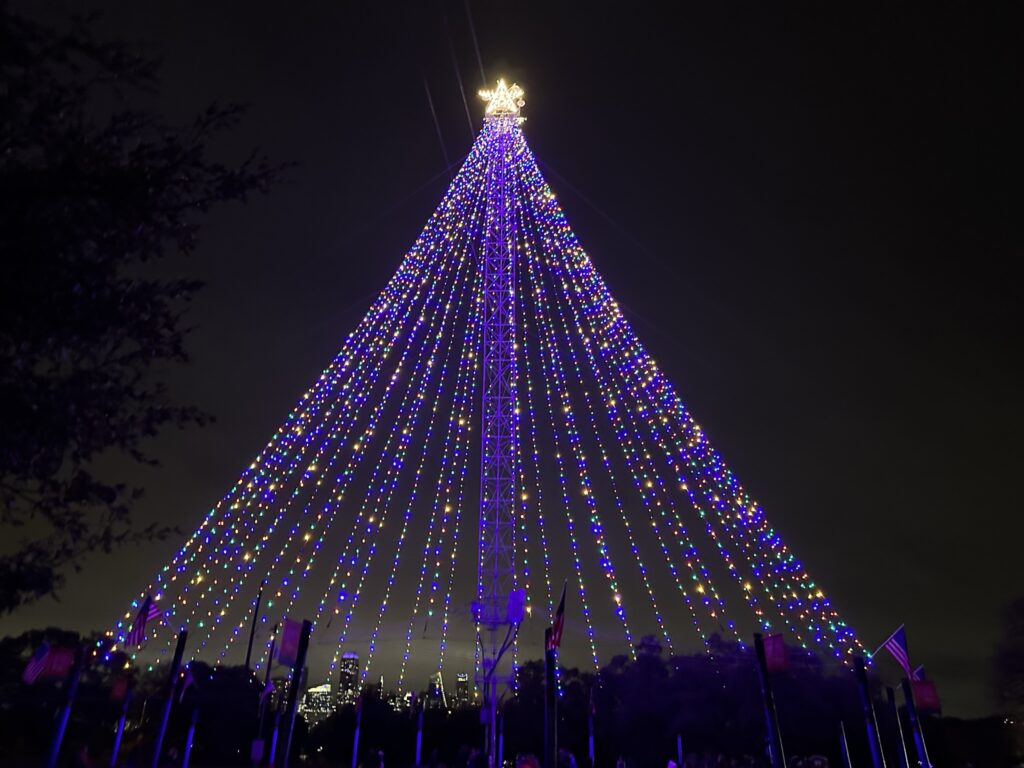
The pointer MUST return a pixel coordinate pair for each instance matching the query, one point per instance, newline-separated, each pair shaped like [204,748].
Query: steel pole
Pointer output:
[776,753]
[119,733]
[190,736]
[901,747]
[550,704]
[844,747]
[355,739]
[915,725]
[868,711]
[419,735]
[179,651]
[252,626]
[65,710]
[298,672]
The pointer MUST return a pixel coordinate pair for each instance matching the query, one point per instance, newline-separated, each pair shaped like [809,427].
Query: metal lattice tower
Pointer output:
[496,572]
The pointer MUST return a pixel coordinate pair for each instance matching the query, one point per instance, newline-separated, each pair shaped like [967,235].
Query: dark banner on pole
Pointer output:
[926,696]
[775,653]
[288,651]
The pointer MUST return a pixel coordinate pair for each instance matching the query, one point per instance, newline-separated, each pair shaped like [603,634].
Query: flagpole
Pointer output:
[844,746]
[901,753]
[190,736]
[252,627]
[868,709]
[501,739]
[293,690]
[273,737]
[590,729]
[550,704]
[179,651]
[890,637]
[492,717]
[419,734]
[359,722]
[270,655]
[775,750]
[65,710]
[915,725]
[264,699]
[120,727]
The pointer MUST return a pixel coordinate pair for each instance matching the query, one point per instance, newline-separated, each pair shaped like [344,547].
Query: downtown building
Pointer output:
[318,704]
[463,696]
[348,679]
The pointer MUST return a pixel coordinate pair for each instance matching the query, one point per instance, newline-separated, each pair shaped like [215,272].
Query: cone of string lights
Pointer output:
[493,426]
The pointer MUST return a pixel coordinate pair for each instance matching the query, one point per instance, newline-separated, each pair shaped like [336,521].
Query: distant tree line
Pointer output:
[640,705]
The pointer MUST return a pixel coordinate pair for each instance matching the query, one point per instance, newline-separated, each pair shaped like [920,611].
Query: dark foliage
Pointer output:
[26,711]
[95,193]
[640,706]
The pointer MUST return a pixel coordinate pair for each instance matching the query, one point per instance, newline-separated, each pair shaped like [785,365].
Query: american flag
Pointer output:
[896,645]
[553,637]
[148,612]
[36,664]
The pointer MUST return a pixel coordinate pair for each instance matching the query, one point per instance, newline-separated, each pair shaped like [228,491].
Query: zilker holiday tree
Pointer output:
[491,429]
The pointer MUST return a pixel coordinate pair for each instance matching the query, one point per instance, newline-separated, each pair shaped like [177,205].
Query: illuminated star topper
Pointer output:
[504,101]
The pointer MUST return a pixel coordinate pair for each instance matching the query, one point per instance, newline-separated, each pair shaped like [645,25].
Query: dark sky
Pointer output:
[811,217]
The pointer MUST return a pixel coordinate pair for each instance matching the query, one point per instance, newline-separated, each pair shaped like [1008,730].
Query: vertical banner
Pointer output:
[775,653]
[288,651]
[926,696]
[119,688]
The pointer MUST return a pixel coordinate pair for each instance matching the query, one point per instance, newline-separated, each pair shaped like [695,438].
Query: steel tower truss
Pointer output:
[496,574]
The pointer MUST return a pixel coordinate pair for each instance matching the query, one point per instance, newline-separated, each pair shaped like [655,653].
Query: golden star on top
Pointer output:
[503,101]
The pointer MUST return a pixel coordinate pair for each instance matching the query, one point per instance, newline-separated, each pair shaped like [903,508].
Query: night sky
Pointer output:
[811,218]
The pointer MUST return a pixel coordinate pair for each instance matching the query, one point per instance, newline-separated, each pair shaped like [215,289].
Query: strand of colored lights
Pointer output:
[537,267]
[467,286]
[391,302]
[361,447]
[470,397]
[458,422]
[314,469]
[468,172]
[547,367]
[653,428]
[748,590]
[274,451]
[548,345]
[384,487]
[441,506]
[615,400]
[530,425]
[641,475]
